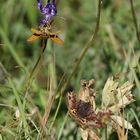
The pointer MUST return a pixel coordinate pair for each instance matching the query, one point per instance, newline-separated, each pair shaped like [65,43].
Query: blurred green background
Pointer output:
[115,50]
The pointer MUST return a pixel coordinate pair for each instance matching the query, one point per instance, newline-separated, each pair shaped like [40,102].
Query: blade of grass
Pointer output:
[12,50]
[23,117]
[135,20]
[62,126]
[137,119]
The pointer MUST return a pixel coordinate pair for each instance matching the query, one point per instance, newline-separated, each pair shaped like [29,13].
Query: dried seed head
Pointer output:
[91,83]
[82,107]
[113,97]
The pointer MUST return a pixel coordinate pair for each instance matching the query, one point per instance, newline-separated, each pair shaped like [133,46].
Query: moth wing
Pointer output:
[36,31]
[55,33]
[57,40]
[33,38]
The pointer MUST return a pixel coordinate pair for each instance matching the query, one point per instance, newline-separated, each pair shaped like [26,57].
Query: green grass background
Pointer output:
[115,50]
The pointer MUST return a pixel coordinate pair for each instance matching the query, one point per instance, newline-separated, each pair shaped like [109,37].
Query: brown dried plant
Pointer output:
[82,108]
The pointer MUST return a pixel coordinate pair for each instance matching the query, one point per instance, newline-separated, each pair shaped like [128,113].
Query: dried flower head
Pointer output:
[48,11]
[86,133]
[82,107]
[115,98]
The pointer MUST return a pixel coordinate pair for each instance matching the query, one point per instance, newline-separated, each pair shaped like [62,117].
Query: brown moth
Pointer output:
[44,32]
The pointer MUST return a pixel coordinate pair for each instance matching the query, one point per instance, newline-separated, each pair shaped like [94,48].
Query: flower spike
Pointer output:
[48,11]
[54,10]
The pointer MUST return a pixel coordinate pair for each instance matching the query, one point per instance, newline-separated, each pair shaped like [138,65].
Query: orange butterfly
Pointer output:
[44,33]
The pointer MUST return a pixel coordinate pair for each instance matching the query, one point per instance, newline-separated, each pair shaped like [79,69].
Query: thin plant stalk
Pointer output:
[62,127]
[52,83]
[135,20]
[43,47]
[34,70]
[50,101]
[84,51]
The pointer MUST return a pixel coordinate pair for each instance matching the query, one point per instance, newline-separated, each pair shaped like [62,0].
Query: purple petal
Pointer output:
[53,1]
[40,6]
[53,10]
[42,22]
[49,10]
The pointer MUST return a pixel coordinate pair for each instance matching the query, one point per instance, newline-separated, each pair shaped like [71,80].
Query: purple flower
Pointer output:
[49,11]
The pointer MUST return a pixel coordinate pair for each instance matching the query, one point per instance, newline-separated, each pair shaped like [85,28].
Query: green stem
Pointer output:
[135,19]
[34,70]
[57,110]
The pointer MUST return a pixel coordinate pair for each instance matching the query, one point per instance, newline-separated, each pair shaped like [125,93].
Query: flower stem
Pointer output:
[34,70]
